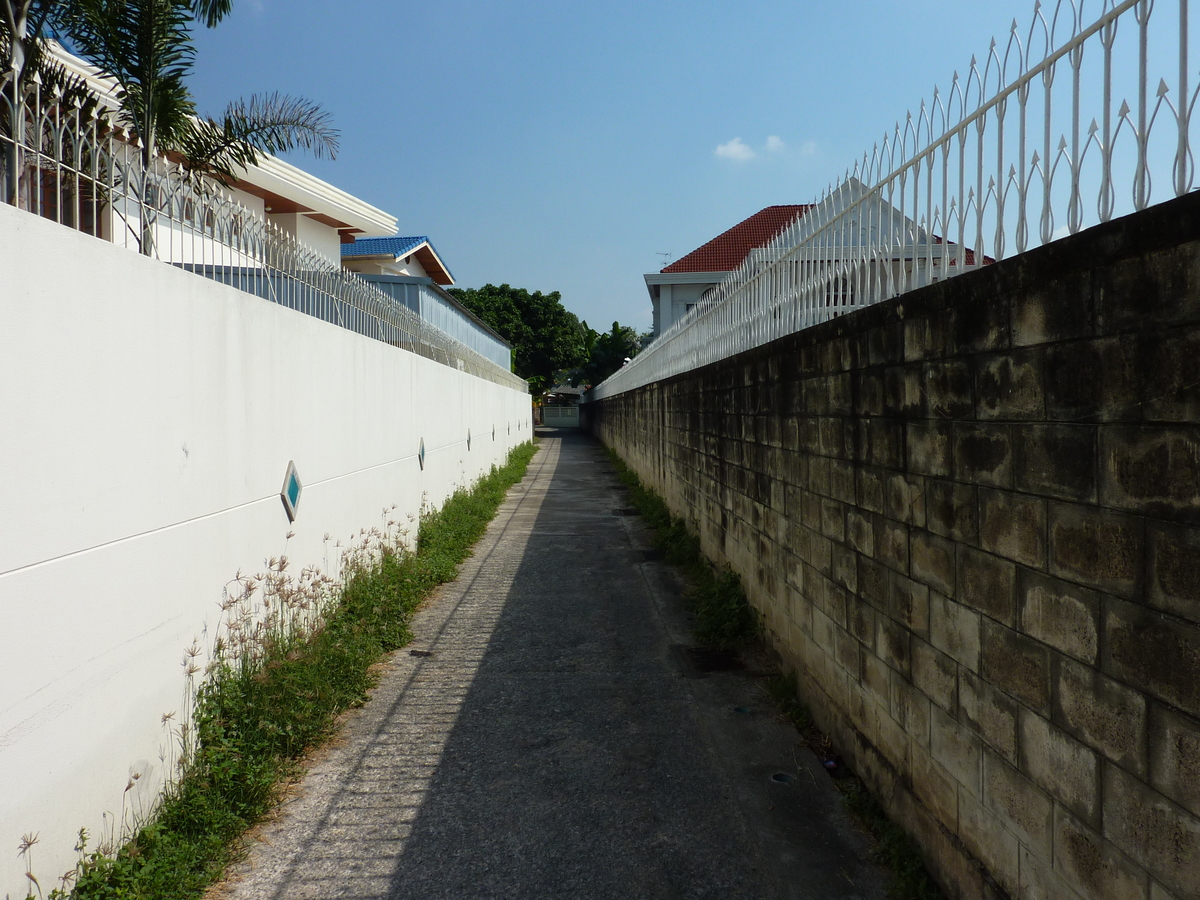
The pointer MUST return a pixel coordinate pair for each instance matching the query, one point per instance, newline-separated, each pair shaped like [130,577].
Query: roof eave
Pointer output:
[432,264]
[684,277]
[321,197]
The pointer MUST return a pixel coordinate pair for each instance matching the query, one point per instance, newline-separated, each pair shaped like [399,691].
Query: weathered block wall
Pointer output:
[971,520]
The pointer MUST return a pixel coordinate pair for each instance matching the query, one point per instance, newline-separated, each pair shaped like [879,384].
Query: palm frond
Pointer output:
[210,12]
[146,45]
[276,123]
[261,124]
[208,150]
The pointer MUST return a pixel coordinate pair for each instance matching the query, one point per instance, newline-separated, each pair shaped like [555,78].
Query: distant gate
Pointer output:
[560,416]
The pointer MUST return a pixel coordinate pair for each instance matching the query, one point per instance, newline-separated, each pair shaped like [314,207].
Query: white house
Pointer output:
[411,271]
[410,256]
[313,211]
[678,287]
[869,246]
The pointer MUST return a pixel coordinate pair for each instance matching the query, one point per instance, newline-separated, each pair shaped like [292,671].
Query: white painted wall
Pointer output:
[313,234]
[685,295]
[407,265]
[255,204]
[412,266]
[673,301]
[147,417]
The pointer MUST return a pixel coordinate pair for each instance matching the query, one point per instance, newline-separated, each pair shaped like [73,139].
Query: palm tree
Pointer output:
[23,22]
[147,46]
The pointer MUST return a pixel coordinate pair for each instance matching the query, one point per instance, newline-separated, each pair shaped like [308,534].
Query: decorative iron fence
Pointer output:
[1005,161]
[70,163]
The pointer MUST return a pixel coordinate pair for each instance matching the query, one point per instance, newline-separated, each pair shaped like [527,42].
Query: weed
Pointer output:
[785,691]
[724,619]
[293,653]
[891,847]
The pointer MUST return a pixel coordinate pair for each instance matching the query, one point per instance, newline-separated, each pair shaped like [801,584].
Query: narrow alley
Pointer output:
[542,737]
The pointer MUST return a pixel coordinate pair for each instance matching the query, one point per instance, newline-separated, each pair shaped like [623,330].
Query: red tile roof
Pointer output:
[968,254]
[725,252]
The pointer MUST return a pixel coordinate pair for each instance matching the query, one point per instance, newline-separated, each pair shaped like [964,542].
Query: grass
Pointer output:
[276,688]
[890,846]
[724,620]
[785,691]
[908,877]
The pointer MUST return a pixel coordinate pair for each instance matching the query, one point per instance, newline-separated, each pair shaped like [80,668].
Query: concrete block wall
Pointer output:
[970,518]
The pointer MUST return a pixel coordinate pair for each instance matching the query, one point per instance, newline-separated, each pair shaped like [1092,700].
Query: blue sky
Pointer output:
[562,147]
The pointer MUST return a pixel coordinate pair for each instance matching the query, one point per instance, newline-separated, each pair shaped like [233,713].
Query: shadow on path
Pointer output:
[550,747]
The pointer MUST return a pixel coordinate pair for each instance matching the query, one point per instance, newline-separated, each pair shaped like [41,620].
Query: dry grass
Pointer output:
[292,653]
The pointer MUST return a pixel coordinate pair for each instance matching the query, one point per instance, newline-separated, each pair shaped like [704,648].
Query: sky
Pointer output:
[566,147]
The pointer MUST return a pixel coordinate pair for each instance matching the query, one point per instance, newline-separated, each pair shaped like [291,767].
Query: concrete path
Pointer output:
[553,746]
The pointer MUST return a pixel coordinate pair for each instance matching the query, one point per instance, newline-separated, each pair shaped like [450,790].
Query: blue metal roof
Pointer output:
[393,246]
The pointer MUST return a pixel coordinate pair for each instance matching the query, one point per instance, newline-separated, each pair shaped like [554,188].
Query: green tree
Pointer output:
[546,337]
[606,353]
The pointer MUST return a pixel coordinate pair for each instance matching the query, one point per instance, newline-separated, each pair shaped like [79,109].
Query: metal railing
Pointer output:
[1005,161]
[69,163]
[439,308]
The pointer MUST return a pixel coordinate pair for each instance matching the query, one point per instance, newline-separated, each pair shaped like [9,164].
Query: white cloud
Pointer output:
[775,144]
[735,150]
[808,148]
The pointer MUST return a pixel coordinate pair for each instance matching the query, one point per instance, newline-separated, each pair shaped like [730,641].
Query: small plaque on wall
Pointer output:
[291,491]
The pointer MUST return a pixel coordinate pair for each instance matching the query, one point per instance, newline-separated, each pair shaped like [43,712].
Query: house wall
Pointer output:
[179,243]
[970,518]
[685,295]
[313,234]
[149,416]
[365,267]
[672,303]
[255,204]
[410,269]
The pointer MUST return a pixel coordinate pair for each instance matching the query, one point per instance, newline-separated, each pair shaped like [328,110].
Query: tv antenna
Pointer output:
[666,257]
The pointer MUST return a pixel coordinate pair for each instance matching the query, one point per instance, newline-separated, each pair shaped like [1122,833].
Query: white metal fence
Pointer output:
[439,308]
[1060,127]
[69,163]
